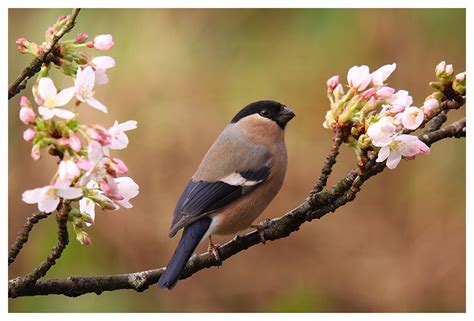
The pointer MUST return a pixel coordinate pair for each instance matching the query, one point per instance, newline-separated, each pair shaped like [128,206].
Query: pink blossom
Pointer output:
[381,74]
[359,77]
[443,70]
[396,109]
[103,42]
[85,165]
[47,197]
[332,83]
[404,145]
[116,165]
[101,64]
[382,132]
[21,44]
[99,134]
[412,118]
[67,171]
[27,115]
[29,135]
[128,189]
[367,94]
[74,142]
[401,98]
[51,99]
[84,86]
[35,152]
[384,92]
[110,188]
[430,107]
[117,132]
[83,238]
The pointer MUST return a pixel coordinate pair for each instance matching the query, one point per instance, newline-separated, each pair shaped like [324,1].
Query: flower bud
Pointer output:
[118,166]
[430,107]
[29,135]
[27,115]
[103,42]
[74,142]
[21,45]
[364,141]
[385,92]
[35,152]
[83,237]
[461,76]
[443,71]
[338,92]
[81,38]
[332,83]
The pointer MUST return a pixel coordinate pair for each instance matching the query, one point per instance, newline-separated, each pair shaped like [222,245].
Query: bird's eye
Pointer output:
[265,112]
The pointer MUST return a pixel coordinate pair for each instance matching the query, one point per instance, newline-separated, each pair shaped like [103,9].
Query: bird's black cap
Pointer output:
[273,110]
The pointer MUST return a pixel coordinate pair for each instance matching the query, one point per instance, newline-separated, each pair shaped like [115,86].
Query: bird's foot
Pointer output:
[214,250]
[261,229]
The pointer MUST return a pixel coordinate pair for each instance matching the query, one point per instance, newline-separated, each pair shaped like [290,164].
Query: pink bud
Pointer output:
[110,188]
[384,92]
[332,83]
[25,102]
[430,107]
[85,165]
[103,42]
[461,76]
[84,238]
[440,68]
[35,153]
[367,94]
[99,134]
[27,115]
[397,109]
[74,142]
[118,166]
[60,18]
[81,38]
[29,135]
[21,44]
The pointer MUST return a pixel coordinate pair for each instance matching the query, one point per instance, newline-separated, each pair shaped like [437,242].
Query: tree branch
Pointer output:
[23,235]
[35,65]
[41,270]
[315,206]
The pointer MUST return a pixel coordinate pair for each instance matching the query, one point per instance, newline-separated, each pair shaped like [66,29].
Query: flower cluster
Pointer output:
[87,174]
[377,116]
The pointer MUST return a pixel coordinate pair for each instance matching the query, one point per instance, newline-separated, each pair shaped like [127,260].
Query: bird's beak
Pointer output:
[285,115]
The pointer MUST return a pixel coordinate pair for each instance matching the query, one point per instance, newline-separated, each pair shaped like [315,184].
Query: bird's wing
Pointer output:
[201,198]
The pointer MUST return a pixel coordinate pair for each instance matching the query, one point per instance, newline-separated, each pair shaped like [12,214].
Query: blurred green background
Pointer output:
[182,74]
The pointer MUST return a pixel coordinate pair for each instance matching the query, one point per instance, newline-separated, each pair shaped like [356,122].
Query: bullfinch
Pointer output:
[239,176]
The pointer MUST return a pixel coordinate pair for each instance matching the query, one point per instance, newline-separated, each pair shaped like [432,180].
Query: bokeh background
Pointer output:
[182,74]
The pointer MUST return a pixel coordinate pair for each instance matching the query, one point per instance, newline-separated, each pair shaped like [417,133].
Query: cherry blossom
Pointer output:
[381,74]
[382,132]
[128,189]
[117,131]
[359,77]
[101,64]
[430,107]
[51,99]
[402,146]
[47,197]
[85,81]
[412,118]
[67,171]
[103,42]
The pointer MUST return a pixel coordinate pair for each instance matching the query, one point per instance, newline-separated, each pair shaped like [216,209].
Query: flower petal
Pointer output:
[104,62]
[32,196]
[69,192]
[101,76]
[393,159]
[128,125]
[47,113]
[86,205]
[46,88]
[383,154]
[63,113]
[127,187]
[94,103]
[65,96]
[48,204]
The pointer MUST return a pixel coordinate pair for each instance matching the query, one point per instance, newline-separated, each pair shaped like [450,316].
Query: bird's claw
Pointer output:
[261,229]
[214,250]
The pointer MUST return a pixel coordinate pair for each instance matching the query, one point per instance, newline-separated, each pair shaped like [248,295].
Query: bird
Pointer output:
[236,180]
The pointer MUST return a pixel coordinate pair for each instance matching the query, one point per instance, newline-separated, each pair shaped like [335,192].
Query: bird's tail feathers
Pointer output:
[192,235]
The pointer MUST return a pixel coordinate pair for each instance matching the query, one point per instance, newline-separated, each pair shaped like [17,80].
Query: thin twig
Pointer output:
[330,161]
[340,194]
[23,235]
[63,239]
[35,65]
